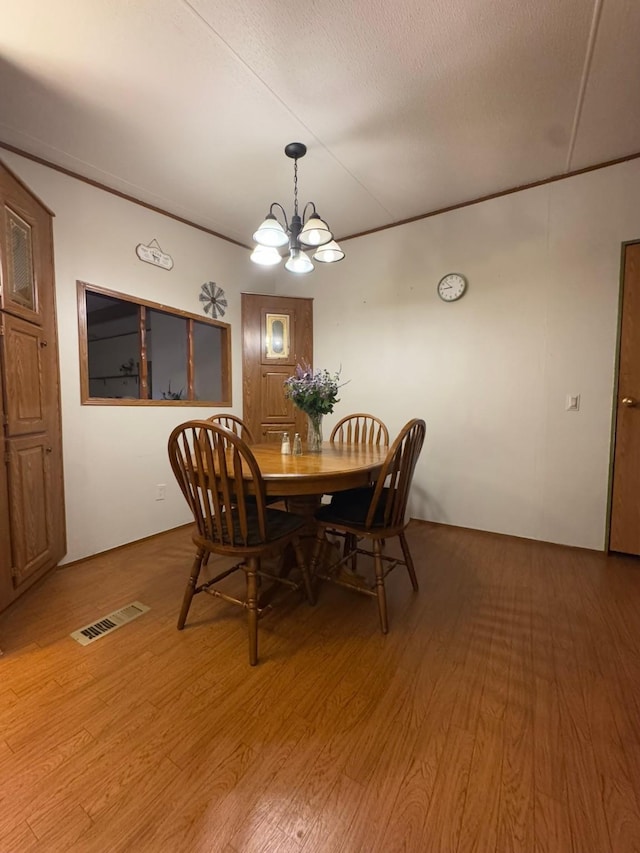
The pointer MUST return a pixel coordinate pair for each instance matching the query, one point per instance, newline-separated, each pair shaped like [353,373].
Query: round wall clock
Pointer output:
[213,299]
[452,286]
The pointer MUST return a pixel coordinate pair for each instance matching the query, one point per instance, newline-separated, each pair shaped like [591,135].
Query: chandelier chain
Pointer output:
[295,186]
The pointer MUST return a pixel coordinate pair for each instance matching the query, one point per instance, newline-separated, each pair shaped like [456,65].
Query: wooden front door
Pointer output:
[277,334]
[625,499]
[32,523]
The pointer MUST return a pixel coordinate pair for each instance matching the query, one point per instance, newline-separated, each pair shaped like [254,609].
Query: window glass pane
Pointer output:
[167,356]
[113,345]
[207,360]
[20,261]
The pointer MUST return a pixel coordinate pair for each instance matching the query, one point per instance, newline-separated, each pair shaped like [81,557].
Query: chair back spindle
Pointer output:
[213,467]
[235,424]
[360,428]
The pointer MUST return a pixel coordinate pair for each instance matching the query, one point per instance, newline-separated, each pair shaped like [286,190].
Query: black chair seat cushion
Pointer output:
[352,506]
[278,524]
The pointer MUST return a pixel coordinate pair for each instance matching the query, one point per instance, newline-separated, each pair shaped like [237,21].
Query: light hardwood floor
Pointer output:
[501,712]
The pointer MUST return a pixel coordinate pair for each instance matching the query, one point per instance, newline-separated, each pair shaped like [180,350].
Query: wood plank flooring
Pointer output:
[501,712]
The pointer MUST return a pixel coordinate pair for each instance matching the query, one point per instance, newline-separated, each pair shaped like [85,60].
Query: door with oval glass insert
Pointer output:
[277,334]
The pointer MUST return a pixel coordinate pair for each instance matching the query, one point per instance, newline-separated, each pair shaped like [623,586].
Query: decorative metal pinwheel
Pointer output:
[213,299]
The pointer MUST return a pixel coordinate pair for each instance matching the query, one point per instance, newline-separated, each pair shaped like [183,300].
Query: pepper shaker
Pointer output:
[285,447]
[297,445]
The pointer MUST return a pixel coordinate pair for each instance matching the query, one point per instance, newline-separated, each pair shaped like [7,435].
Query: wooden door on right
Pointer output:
[624,533]
[277,334]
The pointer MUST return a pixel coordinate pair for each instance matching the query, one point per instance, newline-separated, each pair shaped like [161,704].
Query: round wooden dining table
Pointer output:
[302,480]
[335,468]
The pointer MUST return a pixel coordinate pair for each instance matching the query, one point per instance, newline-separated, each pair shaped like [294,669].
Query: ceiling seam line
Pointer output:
[283,104]
[586,69]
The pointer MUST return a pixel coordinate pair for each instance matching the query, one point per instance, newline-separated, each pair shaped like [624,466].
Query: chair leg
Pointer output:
[409,561]
[191,588]
[380,590]
[317,549]
[252,608]
[304,570]
[350,545]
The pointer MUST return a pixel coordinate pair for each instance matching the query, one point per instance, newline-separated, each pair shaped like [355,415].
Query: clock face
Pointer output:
[452,287]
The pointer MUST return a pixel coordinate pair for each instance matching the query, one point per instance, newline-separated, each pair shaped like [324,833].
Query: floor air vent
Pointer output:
[109,623]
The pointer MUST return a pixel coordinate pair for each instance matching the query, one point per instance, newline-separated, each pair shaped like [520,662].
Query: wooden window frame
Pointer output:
[143,305]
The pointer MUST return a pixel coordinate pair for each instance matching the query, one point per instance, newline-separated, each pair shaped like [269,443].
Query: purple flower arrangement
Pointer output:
[313,393]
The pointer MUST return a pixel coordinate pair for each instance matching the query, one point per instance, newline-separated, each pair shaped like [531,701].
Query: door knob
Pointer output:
[629,402]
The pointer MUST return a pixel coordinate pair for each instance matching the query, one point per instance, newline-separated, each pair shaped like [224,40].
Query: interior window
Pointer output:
[167,343]
[137,352]
[113,347]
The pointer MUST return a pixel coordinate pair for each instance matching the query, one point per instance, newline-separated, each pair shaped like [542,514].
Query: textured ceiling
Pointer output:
[406,107]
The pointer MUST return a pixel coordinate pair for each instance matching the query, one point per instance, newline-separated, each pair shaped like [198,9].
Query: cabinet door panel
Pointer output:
[25,392]
[6,582]
[23,270]
[30,510]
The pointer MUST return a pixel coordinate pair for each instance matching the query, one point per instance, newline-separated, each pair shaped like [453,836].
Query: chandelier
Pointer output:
[303,233]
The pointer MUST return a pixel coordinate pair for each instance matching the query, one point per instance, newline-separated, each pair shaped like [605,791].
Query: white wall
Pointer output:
[490,373]
[115,455]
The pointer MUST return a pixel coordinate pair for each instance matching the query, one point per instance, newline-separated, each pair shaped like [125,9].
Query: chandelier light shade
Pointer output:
[308,231]
[266,256]
[298,261]
[271,233]
[329,253]
[315,232]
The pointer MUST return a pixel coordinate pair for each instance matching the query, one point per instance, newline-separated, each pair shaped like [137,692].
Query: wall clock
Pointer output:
[452,286]
[213,299]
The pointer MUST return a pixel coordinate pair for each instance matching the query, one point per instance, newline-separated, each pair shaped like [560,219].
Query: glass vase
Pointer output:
[314,433]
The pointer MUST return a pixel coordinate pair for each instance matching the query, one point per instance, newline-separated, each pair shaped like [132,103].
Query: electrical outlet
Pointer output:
[160,491]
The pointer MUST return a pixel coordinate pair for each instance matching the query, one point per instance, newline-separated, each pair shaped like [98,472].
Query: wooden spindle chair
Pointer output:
[377,513]
[220,480]
[359,428]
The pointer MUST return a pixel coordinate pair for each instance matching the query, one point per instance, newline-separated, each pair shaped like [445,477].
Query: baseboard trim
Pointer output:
[124,545]
[479,531]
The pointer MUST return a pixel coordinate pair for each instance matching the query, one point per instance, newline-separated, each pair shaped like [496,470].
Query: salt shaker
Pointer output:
[297,445]
[285,447]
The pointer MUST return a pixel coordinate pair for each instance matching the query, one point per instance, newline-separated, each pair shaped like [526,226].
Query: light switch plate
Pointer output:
[573,402]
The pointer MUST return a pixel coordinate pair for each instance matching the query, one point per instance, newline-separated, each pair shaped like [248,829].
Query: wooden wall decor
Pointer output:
[153,254]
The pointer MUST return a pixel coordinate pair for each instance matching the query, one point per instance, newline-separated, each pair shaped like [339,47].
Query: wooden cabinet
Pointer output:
[32,523]
[31,511]
[277,334]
